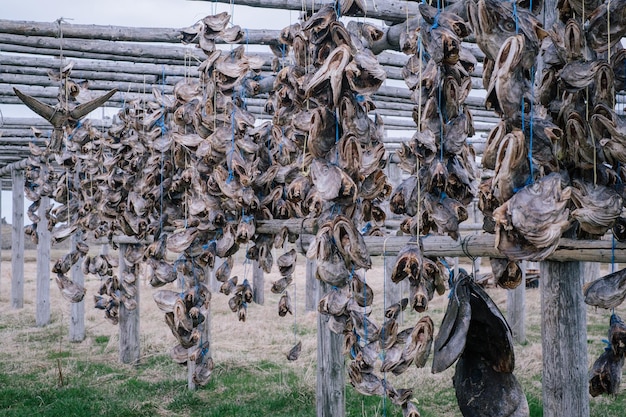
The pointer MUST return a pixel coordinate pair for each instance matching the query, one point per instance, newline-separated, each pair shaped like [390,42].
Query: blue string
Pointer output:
[336,136]
[516,17]
[78,125]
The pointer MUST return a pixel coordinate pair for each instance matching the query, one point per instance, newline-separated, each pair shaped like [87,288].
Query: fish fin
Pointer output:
[44,110]
[84,109]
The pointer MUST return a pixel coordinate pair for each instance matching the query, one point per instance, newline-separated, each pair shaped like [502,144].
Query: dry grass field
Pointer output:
[40,368]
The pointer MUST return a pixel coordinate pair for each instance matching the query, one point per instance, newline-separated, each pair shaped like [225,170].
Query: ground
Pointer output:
[41,372]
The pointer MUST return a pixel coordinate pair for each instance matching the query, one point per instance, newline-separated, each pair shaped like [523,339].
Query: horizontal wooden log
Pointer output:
[483,245]
[388,10]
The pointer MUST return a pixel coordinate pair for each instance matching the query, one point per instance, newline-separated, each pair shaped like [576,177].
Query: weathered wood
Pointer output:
[564,337]
[311,290]
[484,245]
[128,320]
[389,10]
[77,310]
[590,271]
[17,244]
[330,388]
[1,218]
[516,308]
[392,291]
[42,314]
[258,284]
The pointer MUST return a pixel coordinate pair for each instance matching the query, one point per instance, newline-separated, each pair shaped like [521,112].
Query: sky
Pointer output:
[134,13]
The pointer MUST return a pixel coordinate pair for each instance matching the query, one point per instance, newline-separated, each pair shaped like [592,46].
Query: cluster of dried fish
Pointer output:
[605,375]
[442,171]
[563,125]
[61,172]
[474,331]
[526,201]
[320,106]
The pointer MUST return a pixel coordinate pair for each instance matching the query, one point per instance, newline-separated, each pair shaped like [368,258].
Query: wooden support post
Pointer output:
[77,310]
[258,283]
[17,245]
[128,319]
[43,266]
[311,290]
[1,188]
[564,336]
[214,284]
[205,334]
[516,308]
[393,291]
[591,271]
[330,392]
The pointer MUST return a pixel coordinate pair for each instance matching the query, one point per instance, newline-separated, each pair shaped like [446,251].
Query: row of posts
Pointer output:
[563,319]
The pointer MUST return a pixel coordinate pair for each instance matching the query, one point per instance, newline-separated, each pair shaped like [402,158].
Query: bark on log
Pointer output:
[564,340]
[17,246]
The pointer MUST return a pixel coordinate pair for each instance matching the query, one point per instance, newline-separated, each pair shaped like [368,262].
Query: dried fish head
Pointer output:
[608,291]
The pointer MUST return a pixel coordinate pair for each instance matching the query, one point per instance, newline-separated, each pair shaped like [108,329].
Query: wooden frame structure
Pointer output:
[124,58]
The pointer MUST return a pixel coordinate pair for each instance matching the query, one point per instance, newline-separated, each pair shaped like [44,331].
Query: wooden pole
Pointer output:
[258,284]
[43,265]
[311,290]
[128,319]
[393,291]
[564,336]
[214,284]
[389,10]
[77,310]
[17,245]
[1,227]
[516,308]
[330,391]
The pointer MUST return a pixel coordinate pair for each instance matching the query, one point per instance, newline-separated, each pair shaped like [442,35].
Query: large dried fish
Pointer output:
[608,291]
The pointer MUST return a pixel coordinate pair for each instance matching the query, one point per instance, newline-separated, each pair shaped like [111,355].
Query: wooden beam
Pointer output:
[17,244]
[330,398]
[77,310]
[42,315]
[564,340]
[388,10]
[128,319]
[480,245]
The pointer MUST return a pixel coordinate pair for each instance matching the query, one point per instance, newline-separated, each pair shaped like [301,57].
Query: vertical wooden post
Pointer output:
[214,284]
[516,308]
[311,286]
[258,283]
[17,245]
[590,271]
[128,319]
[77,310]
[564,336]
[330,391]
[1,224]
[393,291]
[205,334]
[43,266]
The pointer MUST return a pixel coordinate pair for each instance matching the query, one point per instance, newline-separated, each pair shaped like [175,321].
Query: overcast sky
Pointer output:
[137,13]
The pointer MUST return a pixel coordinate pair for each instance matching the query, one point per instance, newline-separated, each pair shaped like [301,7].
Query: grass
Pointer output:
[42,373]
